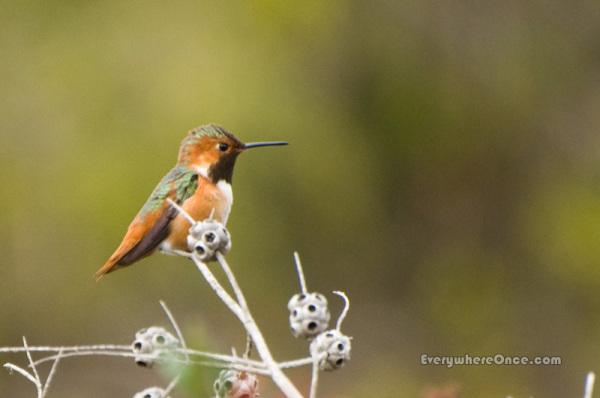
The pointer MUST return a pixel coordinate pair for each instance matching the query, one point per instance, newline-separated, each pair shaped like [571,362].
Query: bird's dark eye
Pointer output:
[223,147]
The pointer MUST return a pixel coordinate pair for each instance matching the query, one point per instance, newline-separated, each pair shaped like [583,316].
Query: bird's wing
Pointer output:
[151,226]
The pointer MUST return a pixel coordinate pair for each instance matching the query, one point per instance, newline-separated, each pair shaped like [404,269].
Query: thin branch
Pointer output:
[295,363]
[241,363]
[102,353]
[216,357]
[219,290]
[314,382]
[181,211]
[38,385]
[176,379]
[172,385]
[226,358]
[346,308]
[175,252]
[51,374]
[11,367]
[241,368]
[176,327]
[231,362]
[213,364]
[67,348]
[232,281]
[300,272]
[589,385]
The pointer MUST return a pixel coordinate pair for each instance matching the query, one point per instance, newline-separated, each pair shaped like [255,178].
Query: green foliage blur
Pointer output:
[444,171]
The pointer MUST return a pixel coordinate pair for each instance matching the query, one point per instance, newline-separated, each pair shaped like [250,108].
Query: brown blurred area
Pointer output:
[443,170]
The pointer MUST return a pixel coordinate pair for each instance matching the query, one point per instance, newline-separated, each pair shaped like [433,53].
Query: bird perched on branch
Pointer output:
[200,183]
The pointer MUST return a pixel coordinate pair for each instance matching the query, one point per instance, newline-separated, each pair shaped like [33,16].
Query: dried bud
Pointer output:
[206,238]
[332,348]
[151,343]
[309,314]
[234,384]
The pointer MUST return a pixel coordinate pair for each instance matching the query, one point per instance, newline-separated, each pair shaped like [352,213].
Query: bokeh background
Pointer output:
[444,170]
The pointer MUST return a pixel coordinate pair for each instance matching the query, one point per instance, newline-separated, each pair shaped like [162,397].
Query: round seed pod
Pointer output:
[309,314]
[211,239]
[150,343]
[333,348]
[234,384]
[207,237]
[202,252]
[152,392]
[224,239]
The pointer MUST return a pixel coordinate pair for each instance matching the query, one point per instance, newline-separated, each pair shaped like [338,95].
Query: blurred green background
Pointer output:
[444,170]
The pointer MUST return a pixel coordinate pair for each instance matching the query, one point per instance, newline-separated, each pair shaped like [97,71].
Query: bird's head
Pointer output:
[212,151]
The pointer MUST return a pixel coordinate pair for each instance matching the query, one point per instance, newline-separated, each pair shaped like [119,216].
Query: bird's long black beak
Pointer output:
[264,143]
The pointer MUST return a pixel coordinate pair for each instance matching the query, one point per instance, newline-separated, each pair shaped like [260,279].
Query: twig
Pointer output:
[36,375]
[51,374]
[589,385]
[114,347]
[172,385]
[219,290]
[176,327]
[103,353]
[238,365]
[300,272]
[223,364]
[232,281]
[14,368]
[181,211]
[295,363]
[128,353]
[315,377]
[346,308]
[176,379]
[226,358]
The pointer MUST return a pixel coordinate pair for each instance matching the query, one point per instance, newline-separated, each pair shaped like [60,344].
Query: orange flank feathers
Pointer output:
[137,230]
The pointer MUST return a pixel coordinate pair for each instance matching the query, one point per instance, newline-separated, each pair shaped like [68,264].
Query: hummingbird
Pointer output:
[200,182]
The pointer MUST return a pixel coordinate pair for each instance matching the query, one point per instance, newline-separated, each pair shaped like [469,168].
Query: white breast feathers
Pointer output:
[227,192]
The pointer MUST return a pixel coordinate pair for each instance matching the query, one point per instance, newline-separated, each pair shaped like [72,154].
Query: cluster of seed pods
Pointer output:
[309,319]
